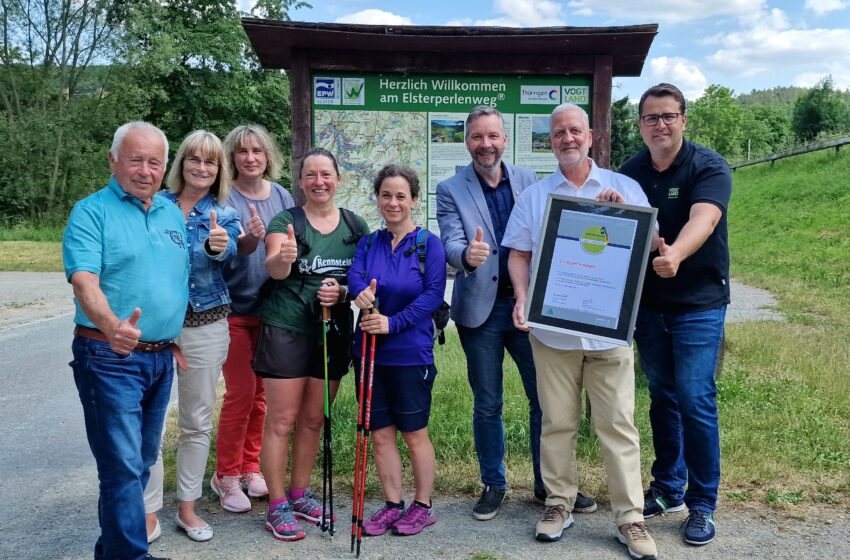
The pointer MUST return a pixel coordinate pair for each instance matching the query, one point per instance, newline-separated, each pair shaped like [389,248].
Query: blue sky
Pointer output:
[741,44]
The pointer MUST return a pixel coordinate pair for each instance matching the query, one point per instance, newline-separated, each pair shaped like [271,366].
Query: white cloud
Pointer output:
[840,78]
[671,11]
[519,13]
[374,17]
[680,72]
[821,7]
[762,49]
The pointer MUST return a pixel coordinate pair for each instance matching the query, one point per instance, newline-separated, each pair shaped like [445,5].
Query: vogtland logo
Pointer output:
[353,91]
[326,91]
[539,95]
[579,95]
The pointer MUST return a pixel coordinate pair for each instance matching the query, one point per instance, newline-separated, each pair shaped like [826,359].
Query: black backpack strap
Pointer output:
[299,225]
[351,222]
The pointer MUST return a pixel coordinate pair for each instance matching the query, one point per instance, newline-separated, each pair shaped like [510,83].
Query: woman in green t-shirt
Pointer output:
[308,253]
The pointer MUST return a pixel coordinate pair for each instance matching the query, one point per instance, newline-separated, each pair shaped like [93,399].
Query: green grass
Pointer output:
[32,256]
[785,394]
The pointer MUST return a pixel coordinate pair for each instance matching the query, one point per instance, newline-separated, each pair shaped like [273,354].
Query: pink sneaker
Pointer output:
[255,484]
[415,519]
[382,521]
[231,496]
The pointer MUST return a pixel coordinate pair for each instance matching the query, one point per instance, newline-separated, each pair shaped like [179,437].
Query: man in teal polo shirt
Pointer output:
[125,254]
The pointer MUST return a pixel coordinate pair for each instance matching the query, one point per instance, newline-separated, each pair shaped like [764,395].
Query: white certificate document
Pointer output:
[589,267]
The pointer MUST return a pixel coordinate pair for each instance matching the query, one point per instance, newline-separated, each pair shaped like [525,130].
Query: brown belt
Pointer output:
[95,334]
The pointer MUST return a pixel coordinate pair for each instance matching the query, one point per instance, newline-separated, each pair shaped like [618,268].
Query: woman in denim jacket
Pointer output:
[198,183]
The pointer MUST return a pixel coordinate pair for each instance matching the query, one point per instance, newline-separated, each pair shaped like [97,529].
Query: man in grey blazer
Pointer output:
[473,208]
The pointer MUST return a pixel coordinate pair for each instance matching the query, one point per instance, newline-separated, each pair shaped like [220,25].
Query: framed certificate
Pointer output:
[588,269]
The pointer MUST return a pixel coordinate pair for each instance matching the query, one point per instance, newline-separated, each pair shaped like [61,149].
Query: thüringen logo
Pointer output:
[326,91]
[539,95]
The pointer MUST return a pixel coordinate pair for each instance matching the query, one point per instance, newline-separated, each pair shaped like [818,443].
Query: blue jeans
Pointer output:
[484,347]
[124,402]
[678,353]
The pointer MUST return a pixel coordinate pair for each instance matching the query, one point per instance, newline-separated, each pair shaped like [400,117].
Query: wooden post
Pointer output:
[601,110]
[302,127]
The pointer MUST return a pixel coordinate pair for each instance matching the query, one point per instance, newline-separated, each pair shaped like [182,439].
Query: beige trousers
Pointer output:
[205,349]
[608,376]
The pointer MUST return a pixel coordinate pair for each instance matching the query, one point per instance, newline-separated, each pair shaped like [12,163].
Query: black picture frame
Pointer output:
[562,216]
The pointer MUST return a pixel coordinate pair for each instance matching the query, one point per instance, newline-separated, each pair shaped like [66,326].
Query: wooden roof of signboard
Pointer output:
[540,50]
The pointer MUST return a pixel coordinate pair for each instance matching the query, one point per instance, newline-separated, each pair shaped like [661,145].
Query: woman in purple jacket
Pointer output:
[388,267]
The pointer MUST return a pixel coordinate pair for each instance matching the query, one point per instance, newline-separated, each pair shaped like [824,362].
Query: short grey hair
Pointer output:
[122,131]
[483,111]
[569,106]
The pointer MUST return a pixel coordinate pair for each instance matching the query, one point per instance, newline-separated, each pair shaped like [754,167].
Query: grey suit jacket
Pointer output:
[460,209]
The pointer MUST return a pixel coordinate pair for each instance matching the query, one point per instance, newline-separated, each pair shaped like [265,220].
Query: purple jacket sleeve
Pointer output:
[357,281]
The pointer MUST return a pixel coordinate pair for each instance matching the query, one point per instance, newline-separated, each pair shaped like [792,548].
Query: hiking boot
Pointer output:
[231,496]
[414,519]
[638,540]
[383,520]
[583,504]
[281,523]
[656,503]
[489,503]
[555,519]
[309,509]
[699,527]
[255,484]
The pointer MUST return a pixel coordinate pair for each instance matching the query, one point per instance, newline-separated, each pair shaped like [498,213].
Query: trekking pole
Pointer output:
[360,402]
[367,413]
[327,457]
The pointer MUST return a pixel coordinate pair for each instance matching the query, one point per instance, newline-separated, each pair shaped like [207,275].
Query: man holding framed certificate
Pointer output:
[567,362]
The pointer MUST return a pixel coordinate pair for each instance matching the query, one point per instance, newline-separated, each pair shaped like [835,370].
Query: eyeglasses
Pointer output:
[652,120]
[197,162]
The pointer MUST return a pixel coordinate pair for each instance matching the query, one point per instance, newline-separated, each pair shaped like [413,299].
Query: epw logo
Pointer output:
[326,91]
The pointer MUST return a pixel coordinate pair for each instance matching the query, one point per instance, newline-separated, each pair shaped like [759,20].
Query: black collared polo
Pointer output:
[696,175]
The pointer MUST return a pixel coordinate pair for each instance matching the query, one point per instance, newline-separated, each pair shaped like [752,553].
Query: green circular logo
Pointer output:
[594,240]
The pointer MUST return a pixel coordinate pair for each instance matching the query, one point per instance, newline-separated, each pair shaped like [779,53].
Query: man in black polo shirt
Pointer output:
[683,307]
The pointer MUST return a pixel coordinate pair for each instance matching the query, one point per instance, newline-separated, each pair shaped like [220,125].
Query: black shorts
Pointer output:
[401,396]
[284,354]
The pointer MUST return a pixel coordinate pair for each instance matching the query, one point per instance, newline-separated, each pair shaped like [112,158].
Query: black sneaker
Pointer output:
[583,504]
[698,528]
[489,503]
[656,503]
[149,557]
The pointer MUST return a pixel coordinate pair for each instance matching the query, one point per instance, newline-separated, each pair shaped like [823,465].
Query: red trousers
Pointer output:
[243,411]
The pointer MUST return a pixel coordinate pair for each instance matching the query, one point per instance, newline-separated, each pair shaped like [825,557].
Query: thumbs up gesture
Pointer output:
[256,227]
[366,298]
[666,264]
[478,250]
[126,334]
[288,247]
[218,235]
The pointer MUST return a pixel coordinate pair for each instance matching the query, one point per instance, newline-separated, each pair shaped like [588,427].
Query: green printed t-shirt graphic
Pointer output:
[293,304]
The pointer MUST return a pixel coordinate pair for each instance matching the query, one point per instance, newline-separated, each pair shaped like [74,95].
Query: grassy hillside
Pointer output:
[786,390]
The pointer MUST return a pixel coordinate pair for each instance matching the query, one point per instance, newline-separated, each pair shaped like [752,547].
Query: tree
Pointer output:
[625,136]
[194,59]
[765,129]
[821,110]
[714,121]
[47,102]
